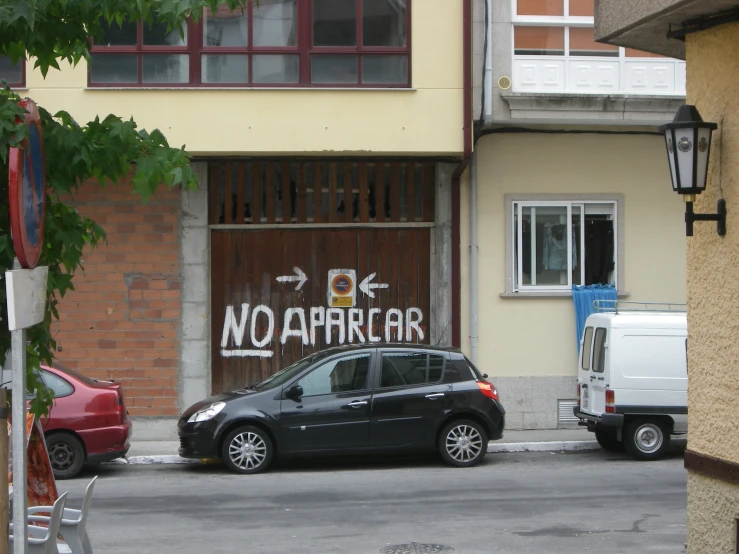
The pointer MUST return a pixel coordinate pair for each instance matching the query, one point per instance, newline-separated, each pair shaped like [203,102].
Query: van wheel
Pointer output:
[647,439]
[608,441]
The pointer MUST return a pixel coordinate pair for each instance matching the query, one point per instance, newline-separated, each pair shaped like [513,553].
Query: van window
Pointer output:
[587,344]
[599,352]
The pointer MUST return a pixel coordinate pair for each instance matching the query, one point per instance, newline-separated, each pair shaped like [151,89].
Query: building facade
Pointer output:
[339,199]
[326,137]
[567,187]
[704,34]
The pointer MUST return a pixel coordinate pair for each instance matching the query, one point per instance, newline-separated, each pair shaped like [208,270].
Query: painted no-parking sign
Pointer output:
[27,190]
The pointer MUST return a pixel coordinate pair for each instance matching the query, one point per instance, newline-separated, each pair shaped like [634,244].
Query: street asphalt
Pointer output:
[523,502]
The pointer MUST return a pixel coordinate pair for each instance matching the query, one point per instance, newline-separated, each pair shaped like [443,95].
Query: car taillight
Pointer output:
[578,395]
[488,389]
[610,402]
[119,406]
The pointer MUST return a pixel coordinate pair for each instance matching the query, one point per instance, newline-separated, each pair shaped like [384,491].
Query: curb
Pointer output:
[551,446]
[493,448]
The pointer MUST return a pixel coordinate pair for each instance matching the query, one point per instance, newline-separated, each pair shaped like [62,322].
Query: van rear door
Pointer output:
[583,373]
[598,378]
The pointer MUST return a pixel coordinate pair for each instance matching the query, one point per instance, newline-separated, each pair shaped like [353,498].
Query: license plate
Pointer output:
[585,398]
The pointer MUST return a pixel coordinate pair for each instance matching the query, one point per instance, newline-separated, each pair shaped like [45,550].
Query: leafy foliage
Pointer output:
[108,149]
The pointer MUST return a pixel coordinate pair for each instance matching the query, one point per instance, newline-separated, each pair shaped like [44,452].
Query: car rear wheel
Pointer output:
[463,443]
[608,441]
[67,455]
[247,449]
[647,439]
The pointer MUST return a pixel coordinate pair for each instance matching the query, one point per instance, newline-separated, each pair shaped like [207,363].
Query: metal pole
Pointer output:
[3,472]
[18,442]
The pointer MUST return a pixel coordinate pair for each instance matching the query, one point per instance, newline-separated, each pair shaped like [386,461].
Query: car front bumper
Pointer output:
[198,440]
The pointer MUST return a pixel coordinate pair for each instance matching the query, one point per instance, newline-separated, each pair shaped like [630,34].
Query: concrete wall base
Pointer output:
[154,429]
[531,402]
[713,512]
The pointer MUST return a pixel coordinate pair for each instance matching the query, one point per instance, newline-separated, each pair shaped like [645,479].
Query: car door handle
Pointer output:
[357,404]
[435,395]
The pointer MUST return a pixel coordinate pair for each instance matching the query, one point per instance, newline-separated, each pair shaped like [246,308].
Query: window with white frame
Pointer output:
[554,51]
[557,244]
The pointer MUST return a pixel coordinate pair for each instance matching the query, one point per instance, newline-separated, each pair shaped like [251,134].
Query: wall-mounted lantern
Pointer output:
[688,142]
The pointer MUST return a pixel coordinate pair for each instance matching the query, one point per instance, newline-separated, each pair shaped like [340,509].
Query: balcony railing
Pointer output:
[594,75]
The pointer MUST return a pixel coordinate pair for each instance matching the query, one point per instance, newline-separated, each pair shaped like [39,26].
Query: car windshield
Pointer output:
[284,375]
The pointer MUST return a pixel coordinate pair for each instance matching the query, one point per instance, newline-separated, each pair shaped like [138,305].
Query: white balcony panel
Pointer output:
[649,77]
[595,76]
[539,75]
[645,76]
[680,78]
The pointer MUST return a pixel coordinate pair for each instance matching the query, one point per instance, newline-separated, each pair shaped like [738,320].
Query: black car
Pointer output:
[351,399]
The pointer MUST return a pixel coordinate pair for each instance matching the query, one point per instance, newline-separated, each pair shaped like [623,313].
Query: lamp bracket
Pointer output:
[719,217]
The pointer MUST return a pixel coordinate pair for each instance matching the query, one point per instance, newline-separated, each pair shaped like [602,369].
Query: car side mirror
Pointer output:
[294,392]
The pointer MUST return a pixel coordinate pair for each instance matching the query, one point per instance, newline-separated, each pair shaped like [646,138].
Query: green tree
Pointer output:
[50,31]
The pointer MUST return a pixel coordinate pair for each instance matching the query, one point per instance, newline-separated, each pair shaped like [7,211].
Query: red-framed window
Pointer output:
[279,43]
[14,74]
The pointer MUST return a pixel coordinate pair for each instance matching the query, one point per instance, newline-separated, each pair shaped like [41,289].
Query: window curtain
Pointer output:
[583,298]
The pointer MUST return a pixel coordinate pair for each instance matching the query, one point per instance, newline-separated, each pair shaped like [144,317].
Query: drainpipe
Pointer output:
[473,258]
[487,83]
[456,176]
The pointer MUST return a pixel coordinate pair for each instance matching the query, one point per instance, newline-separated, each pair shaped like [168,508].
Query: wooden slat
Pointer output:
[301,208]
[348,204]
[429,190]
[379,192]
[317,194]
[269,191]
[227,196]
[213,186]
[332,217]
[410,191]
[240,192]
[256,193]
[287,207]
[395,191]
[363,194]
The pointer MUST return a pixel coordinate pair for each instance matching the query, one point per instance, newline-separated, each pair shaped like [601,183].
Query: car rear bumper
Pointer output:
[614,422]
[106,443]
[197,440]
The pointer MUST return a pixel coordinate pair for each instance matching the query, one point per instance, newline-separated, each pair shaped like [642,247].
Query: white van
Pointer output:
[632,379]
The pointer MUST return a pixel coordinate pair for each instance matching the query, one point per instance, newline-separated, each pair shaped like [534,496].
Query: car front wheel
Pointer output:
[67,455]
[463,443]
[247,449]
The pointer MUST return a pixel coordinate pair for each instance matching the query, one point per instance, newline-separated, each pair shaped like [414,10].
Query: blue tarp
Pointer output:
[583,297]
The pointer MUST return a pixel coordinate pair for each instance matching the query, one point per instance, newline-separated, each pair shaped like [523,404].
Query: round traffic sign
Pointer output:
[341,285]
[27,190]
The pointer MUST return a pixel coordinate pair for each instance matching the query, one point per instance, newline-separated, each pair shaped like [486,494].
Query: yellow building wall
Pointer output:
[713,295]
[424,120]
[528,336]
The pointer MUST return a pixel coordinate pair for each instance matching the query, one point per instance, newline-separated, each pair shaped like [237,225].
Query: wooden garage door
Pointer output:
[272,289]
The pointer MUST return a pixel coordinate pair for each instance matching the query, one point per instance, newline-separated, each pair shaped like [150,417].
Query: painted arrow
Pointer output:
[299,276]
[366,287]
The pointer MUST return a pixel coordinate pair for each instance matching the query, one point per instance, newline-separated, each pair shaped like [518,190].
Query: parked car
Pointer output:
[88,421]
[632,380]
[351,399]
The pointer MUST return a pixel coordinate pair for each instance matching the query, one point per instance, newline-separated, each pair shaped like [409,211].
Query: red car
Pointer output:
[88,421]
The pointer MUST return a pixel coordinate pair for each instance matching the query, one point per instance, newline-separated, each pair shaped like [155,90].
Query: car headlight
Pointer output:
[207,413]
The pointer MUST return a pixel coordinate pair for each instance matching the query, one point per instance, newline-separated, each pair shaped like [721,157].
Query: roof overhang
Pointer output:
[645,24]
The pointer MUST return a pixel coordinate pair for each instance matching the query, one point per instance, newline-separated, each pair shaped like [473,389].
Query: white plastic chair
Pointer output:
[42,540]
[73,528]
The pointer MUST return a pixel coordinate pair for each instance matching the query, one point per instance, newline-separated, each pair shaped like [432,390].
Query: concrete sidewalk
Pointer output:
[538,440]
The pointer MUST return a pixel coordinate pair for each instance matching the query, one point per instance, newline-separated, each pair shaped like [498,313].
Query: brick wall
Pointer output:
[122,320]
